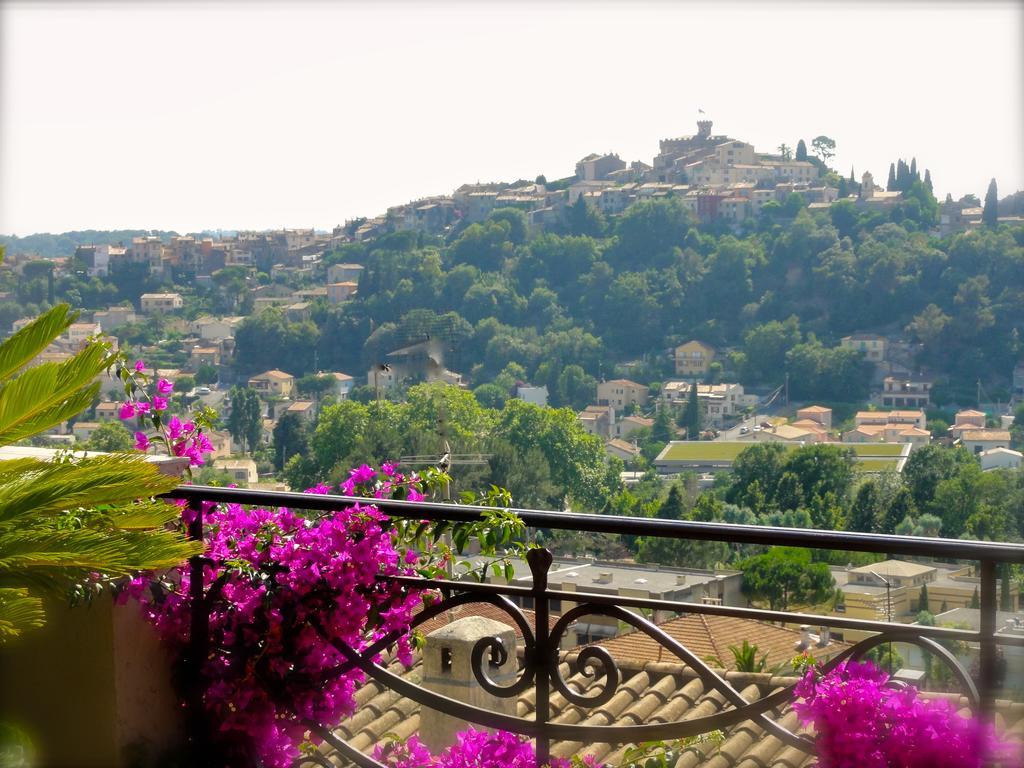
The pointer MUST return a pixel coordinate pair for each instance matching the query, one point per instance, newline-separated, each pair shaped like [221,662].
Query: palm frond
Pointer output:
[40,489]
[19,611]
[51,559]
[28,342]
[47,394]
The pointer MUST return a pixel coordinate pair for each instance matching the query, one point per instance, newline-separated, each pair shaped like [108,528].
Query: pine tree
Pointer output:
[865,511]
[890,185]
[928,180]
[693,414]
[801,150]
[661,430]
[990,213]
[672,508]
[923,600]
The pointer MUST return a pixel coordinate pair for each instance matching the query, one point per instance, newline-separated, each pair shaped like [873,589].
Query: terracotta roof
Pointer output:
[815,409]
[650,692]
[986,434]
[711,636]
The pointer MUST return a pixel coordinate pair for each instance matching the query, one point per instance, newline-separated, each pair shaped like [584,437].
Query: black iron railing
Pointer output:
[540,668]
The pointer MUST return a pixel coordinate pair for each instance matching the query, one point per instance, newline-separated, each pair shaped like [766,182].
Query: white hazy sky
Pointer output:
[189,116]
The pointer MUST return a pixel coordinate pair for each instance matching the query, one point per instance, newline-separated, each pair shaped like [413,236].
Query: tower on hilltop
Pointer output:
[703,129]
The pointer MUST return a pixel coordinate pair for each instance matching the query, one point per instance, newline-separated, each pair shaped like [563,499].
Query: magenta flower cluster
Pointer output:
[861,722]
[472,749]
[282,592]
[182,438]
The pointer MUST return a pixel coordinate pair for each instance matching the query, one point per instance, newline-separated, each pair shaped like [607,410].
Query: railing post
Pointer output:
[199,630]
[987,627]
[539,561]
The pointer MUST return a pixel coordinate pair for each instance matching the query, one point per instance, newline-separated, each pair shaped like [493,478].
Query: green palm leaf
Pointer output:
[24,345]
[65,521]
[38,488]
[19,612]
[46,395]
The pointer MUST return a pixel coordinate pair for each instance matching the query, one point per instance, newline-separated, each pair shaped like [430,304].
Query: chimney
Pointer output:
[805,641]
[603,577]
[448,670]
[680,579]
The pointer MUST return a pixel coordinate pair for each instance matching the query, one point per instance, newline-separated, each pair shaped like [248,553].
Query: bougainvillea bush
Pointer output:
[861,722]
[281,590]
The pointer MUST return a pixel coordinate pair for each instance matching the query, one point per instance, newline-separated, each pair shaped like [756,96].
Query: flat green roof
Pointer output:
[876,465]
[875,449]
[700,450]
[710,450]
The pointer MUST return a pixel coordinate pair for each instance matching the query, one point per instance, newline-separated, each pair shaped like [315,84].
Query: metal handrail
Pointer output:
[540,660]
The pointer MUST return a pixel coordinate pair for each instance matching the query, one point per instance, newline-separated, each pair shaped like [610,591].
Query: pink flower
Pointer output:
[140,366]
[126,411]
[141,441]
[159,403]
[142,407]
[164,387]
[174,428]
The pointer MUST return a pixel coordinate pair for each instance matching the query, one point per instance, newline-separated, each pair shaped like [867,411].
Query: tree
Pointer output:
[661,430]
[975,600]
[785,575]
[824,148]
[890,185]
[990,213]
[291,438]
[1005,602]
[672,508]
[184,384]
[44,545]
[246,420]
[801,150]
[785,152]
[928,180]
[866,511]
[922,602]
[206,375]
[901,507]
[111,437]
[691,416]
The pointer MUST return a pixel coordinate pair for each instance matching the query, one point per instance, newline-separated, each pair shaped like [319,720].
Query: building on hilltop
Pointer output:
[693,358]
[621,392]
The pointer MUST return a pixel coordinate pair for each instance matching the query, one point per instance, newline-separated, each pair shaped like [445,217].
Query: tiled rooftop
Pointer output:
[651,692]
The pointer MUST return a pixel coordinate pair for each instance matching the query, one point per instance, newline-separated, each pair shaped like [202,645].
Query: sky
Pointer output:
[193,116]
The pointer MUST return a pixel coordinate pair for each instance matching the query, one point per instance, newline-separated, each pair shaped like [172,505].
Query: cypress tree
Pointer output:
[928,180]
[692,414]
[902,174]
[923,600]
[852,177]
[913,170]
[990,213]
[890,185]
[1004,589]
[801,150]
[975,600]
[844,188]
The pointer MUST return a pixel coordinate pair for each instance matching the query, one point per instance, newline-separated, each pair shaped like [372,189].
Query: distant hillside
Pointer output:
[50,246]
